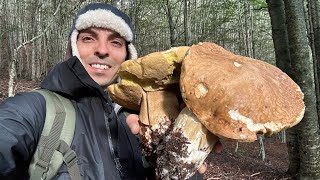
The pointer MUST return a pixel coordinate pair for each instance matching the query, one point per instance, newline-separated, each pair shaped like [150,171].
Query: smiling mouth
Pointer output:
[100,66]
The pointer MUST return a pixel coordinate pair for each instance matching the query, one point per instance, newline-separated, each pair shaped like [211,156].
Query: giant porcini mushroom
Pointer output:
[226,95]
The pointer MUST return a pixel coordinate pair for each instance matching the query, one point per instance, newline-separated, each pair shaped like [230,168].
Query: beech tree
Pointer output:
[314,38]
[307,131]
[294,56]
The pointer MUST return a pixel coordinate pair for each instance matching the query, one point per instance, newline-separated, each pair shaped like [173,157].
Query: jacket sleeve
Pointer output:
[21,122]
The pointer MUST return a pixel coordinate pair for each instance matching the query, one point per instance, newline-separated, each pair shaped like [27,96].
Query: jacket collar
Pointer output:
[70,79]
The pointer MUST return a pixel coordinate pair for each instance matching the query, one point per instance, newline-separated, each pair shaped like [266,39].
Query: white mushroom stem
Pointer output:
[158,109]
[185,148]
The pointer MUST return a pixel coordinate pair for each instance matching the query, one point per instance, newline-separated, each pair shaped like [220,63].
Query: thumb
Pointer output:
[203,168]
[133,123]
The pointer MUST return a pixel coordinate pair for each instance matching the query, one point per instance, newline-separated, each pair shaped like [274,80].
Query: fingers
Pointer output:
[133,123]
[217,148]
[203,168]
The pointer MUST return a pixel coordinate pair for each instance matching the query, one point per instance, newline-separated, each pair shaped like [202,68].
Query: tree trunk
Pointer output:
[302,64]
[39,46]
[308,11]
[186,23]
[2,33]
[247,29]
[242,38]
[280,35]
[252,33]
[12,74]
[316,29]
[315,44]
[171,23]
[293,151]
[33,63]
[133,16]
[33,33]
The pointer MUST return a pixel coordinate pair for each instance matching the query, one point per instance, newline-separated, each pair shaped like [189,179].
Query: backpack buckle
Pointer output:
[42,166]
[70,158]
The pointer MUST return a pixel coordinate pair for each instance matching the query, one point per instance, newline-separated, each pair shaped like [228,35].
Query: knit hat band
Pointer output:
[104,19]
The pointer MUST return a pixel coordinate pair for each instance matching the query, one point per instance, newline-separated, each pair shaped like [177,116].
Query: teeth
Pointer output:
[100,66]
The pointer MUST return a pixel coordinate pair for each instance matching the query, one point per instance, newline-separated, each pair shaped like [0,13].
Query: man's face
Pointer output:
[101,51]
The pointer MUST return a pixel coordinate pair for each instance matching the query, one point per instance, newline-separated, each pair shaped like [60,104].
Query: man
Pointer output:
[100,41]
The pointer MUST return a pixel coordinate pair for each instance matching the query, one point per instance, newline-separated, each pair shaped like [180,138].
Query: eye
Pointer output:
[86,38]
[117,43]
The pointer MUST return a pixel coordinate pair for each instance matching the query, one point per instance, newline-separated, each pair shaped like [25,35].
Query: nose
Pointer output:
[102,50]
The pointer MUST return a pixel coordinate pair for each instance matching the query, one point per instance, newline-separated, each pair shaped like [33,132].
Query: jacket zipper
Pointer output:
[116,159]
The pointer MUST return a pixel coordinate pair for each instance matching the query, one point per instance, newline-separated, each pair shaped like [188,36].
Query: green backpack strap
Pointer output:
[56,137]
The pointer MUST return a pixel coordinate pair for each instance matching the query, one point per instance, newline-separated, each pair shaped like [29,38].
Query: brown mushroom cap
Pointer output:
[237,97]
[129,96]
[153,72]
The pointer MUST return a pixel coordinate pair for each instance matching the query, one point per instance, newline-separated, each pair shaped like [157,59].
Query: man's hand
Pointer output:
[133,123]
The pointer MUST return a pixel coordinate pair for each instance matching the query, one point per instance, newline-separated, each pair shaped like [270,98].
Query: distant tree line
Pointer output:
[238,26]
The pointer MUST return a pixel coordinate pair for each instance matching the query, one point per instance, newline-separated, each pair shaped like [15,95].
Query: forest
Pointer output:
[284,33]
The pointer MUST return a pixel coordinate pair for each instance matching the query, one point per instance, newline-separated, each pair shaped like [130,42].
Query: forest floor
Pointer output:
[246,163]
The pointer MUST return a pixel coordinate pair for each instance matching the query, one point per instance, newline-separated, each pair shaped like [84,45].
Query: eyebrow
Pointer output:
[89,31]
[116,35]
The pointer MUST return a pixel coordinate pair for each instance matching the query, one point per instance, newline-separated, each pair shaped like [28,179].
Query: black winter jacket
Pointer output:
[22,119]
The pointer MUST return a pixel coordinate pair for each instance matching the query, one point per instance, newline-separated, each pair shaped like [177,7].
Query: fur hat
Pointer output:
[103,16]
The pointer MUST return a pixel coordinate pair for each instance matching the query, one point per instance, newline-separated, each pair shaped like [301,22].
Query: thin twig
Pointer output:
[255,174]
